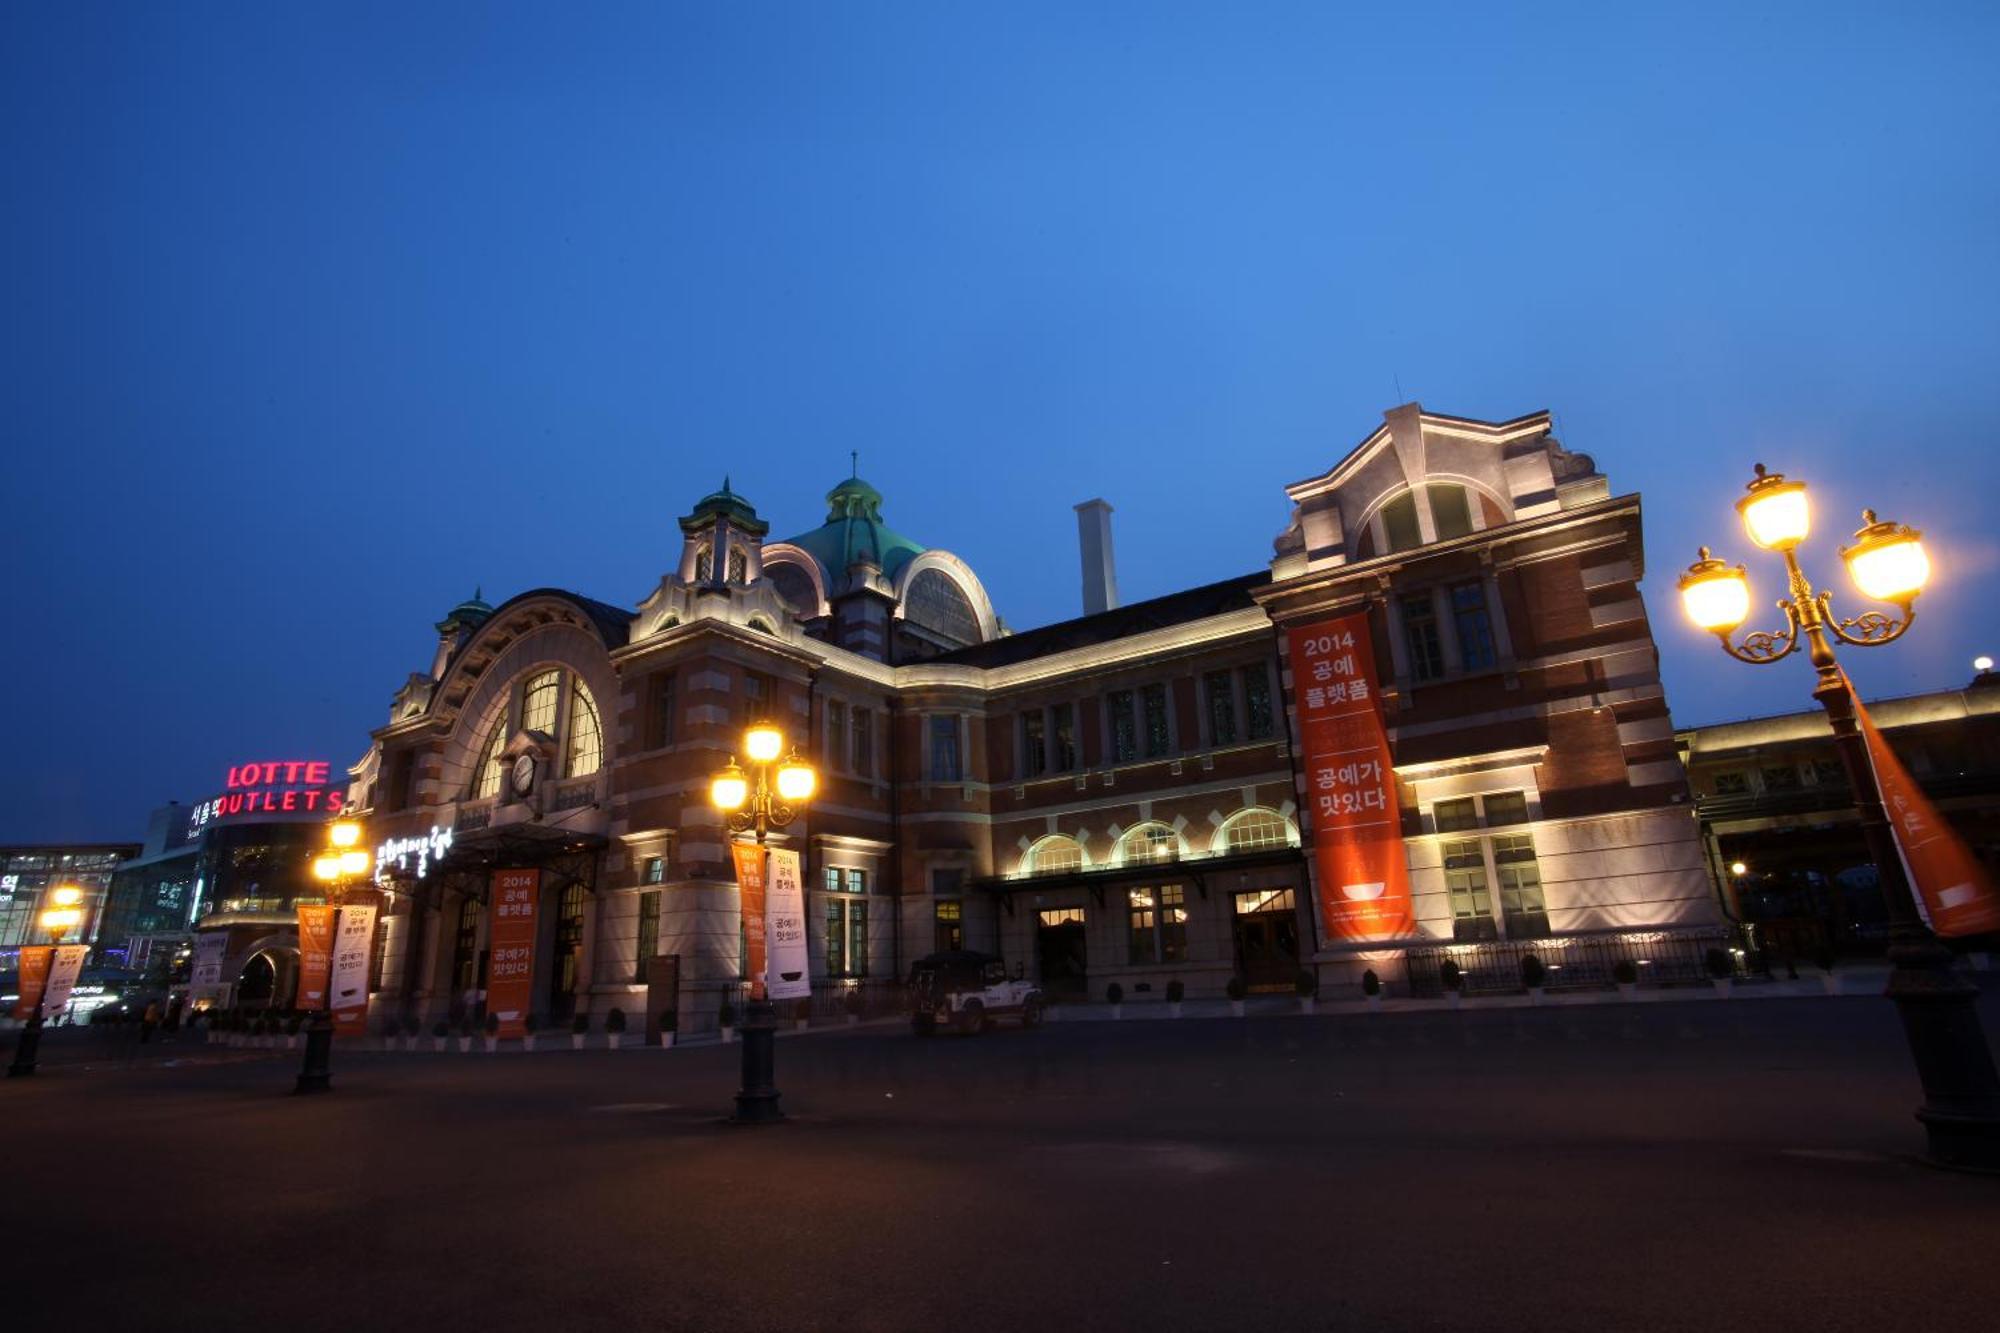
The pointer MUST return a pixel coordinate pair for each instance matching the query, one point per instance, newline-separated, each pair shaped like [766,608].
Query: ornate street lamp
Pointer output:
[1887,562]
[770,796]
[63,914]
[344,861]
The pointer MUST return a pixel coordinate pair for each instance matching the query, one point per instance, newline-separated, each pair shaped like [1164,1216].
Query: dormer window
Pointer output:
[1451,510]
[1399,523]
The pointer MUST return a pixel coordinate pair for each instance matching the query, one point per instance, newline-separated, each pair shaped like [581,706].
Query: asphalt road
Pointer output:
[1713,1164]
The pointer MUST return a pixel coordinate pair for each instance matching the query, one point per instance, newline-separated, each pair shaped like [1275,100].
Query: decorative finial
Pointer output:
[1868,517]
[725,483]
[1760,470]
[478,592]
[854,458]
[1704,555]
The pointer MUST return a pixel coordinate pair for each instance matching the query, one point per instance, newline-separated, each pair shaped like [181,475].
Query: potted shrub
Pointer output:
[1236,990]
[528,1026]
[1175,992]
[1533,977]
[1114,995]
[465,1031]
[614,1029]
[1721,968]
[292,1026]
[854,1005]
[1307,986]
[1626,973]
[391,1029]
[726,1016]
[492,1033]
[669,1021]
[801,1014]
[440,1035]
[412,1030]
[1453,981]
[579,1031]
[1371,989]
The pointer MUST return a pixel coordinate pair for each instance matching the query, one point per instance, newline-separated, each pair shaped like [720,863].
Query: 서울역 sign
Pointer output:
[399,852]
[1358,860]
[272,787]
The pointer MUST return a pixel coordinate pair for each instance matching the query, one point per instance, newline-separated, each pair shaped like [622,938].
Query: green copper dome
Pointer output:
[853,531]
[725,503]
[472,611]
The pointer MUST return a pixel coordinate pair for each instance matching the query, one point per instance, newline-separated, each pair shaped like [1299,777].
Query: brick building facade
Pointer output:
[1116,797]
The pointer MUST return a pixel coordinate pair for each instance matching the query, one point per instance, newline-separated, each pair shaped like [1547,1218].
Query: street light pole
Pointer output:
[775,797]
[342,861]
[1937,1005]
[62,913]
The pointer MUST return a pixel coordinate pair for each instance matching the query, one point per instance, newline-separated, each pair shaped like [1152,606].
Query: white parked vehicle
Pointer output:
[968,991]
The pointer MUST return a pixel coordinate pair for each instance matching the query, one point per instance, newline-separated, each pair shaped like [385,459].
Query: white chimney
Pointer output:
[1100,573]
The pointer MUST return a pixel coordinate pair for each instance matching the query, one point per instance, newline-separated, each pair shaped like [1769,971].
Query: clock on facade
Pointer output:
[524,775]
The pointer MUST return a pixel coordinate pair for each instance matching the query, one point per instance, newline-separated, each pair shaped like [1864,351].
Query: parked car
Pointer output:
[968,991]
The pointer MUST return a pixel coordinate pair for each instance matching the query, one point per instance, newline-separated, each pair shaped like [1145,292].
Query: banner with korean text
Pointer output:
[510,967]
[1954,891]
[63,973]
[34,974]
[1357,834]
[785,924]
[353,950]
[205,984]
[749,858]
[315,954]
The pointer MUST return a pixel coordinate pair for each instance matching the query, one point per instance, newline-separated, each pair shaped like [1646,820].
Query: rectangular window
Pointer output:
[1158,738]
[1506,807]
[660,711]
[1221,692]
[846,937]
[945,765]
[1142,914]
[861,751]
[1173,924]
[1124,726]
[1451,510]
[1455,816]
[836,733]
[947,881]
[1062,719]
[832,875]
[1732,784]
[836,937]
[655,871]
[649,936]
[1465,881]
[857,939]
[1520,886]
[1781,777]
[1034,745]
[1474,624]
[756,698]
[1829,773]
[1060,916]
[1420,637]
[1257,703]
[857,881]
[950,928]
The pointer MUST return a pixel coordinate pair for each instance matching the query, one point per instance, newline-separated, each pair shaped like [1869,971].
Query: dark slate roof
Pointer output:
[1174,609]
[613,623]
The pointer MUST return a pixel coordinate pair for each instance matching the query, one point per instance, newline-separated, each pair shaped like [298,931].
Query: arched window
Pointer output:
[934,602]
[739,567]
[538,702]
[584,754]
[795,586]
[1399,523]
[1148,843]
[1055,855]
[486,775]
[1254,830]
[704,563]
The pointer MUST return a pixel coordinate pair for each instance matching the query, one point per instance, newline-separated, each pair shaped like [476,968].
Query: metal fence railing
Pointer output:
[1575,962]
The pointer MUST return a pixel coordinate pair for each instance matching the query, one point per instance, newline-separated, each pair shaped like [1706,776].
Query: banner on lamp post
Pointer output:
[1953,890]
[510,968]
[353,944]
[62,977]
[315,954]
[790,975]
[1359,864]
[749,858]
[205,981]
[34,964]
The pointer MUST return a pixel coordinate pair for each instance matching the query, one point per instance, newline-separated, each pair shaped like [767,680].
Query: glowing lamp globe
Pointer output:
[796,780]
[1715,595]
[354,862]
[1982,663]
[327,867]
[1887,561]
[56,920]
[65,895]
[729,790]
[1775,513]
[1738,868]
[763,743]
[344,833]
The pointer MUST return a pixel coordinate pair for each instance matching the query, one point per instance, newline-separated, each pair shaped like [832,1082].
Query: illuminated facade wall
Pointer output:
[28,873]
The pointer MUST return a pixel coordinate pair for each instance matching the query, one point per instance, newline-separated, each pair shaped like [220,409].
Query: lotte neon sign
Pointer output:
[274,787]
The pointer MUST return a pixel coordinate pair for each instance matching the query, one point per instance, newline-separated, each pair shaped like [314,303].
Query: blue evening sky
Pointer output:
[313,317]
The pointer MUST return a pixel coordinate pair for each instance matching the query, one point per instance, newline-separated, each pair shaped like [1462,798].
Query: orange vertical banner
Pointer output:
[1953,888]
[510,968]
[315,955]
[36,960]
[1357,824]
[749,858]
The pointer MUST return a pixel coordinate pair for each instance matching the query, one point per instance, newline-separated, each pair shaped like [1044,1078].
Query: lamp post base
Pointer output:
[27,1049]
[757,1102]
[316,1073]
[1938,1006]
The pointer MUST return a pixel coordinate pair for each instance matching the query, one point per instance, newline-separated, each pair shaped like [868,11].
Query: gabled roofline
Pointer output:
[1497,431]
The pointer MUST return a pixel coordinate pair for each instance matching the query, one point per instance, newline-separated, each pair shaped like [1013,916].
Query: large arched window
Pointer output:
[1148,843]
[935,602]
[584,754]
[539,698]
[486,775]
[1254,830]
[1055,855]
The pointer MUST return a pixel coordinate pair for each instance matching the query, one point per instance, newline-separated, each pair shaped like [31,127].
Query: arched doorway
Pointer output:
[257,987]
